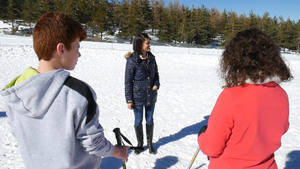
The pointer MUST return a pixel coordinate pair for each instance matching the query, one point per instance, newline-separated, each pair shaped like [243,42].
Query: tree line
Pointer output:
[171,23]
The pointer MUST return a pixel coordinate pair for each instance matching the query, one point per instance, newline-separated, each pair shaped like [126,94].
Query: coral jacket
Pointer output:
[246,126]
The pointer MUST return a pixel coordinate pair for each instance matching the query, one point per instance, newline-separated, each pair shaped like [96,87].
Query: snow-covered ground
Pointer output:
[190,85]
[4,27]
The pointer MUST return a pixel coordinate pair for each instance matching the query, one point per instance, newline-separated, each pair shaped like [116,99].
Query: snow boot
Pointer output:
[149,132]
[140,139]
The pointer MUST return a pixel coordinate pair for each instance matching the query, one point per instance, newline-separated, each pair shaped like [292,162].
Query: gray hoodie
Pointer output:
[54,118]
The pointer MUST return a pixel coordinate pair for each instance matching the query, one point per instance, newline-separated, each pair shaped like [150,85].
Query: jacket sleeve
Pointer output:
[213,141]
[129,75]
[90,133]
[156,77]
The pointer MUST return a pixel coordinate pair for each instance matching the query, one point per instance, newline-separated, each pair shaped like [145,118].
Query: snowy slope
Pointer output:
[190,86]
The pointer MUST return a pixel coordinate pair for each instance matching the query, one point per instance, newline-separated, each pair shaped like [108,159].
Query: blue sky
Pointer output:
[286,8]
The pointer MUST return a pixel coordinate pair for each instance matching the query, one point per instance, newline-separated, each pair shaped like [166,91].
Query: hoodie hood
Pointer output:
[32,97]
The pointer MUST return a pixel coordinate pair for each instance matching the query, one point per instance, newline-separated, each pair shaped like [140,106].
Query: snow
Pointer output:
[4,25]
[190,85]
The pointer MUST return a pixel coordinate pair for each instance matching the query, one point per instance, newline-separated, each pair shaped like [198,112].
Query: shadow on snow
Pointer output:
[167,161]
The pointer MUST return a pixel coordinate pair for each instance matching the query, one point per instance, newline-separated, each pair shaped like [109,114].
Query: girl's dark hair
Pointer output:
[138,42]
[252,55]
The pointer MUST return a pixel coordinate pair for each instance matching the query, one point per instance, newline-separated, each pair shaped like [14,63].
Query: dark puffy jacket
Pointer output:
[140,76]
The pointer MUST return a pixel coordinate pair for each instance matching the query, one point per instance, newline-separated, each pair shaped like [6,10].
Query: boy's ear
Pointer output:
[60,49]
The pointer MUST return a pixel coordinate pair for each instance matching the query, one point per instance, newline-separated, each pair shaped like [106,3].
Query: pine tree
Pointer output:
[253,20]
[116,14]
[270,27]
[205,32]
[69,7]
[185,25]
[30,12]
[12,14]
[190,31]
[175,19]
[123,10]
[164,26]
[3,11]
[241,23]
[45,6]
[147,13]
[135,23]
[220,27]
[85,10]
[100,19]
[230,26]
[192,25]
[265,22]
[110,17]
[288,34]
[274,30]
[158,8]
[214,21]
[282,36]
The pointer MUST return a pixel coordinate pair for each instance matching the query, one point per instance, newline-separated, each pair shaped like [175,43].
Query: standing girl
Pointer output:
[252,112]
[141,85]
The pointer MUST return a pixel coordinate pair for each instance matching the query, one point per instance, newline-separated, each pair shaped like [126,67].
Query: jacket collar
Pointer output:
[138,58]
[267,80]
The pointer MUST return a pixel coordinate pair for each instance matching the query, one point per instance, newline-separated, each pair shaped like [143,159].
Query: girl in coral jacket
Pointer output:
[252,112]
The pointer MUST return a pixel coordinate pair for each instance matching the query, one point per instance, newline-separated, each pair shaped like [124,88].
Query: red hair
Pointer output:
[53,28]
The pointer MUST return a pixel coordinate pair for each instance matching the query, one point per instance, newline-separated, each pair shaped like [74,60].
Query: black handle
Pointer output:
[119,142]
[118,136]
[136,148]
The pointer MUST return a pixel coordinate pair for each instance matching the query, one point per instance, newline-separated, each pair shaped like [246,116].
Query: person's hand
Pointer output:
[154,87]
[130,106]
[121,152]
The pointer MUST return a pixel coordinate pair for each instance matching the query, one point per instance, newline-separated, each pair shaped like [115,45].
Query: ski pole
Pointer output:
[119,142]
[194,157]
[202,130]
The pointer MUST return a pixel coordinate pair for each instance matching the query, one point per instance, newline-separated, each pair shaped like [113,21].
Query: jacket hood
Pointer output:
[128,55]
[34,96]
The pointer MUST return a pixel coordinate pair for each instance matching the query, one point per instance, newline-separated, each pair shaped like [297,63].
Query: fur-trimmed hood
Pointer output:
[128,55]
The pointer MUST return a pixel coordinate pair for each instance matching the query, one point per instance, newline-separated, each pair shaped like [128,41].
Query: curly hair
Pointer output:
[252,55]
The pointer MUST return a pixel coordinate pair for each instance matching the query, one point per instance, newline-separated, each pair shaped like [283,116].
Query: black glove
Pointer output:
[202,130]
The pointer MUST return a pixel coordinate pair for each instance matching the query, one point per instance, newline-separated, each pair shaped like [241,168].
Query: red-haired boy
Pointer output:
[55,116]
